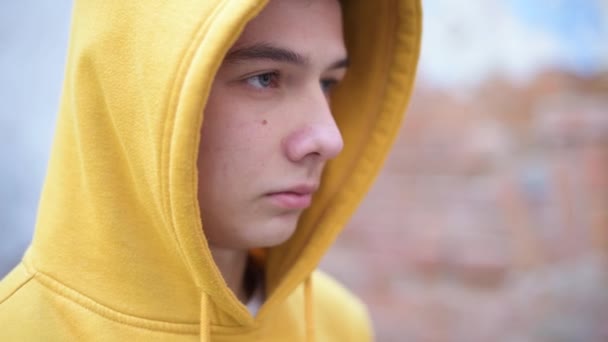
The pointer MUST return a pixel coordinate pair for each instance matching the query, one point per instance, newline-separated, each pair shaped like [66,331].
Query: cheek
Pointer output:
[240,137]
[235,151]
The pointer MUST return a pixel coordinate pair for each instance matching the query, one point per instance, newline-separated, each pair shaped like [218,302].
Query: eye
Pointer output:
[263,81]
[327,85]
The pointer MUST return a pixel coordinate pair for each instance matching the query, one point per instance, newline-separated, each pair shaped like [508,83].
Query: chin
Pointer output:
[275,232]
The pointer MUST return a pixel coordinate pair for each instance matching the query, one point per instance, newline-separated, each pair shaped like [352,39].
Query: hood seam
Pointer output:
[28,277]
[169,123]
[105,311]
[90,304]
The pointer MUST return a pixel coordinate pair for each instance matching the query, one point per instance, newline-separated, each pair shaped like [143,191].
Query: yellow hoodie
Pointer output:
[119,252]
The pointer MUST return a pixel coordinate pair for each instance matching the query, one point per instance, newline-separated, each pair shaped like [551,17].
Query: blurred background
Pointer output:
[490,219]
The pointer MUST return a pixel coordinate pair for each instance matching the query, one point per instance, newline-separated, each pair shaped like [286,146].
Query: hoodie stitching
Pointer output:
[27,279]
[394,99]
[184,69]
[385,132]
[254,6]
[94,307]
[85,302]
[381,136]
[169,121]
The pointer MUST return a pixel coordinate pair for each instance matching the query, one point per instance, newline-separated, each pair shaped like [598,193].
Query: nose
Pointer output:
[317,137]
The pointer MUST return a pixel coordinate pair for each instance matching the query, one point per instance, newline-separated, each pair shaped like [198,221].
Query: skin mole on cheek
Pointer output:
[264,122]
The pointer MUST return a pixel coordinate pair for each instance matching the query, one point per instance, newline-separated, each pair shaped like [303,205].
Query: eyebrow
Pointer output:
[277,54]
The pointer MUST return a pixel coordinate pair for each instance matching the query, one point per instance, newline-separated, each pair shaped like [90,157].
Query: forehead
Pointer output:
[312,27]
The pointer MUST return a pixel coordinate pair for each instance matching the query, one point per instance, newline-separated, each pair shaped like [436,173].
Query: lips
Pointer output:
[298,197]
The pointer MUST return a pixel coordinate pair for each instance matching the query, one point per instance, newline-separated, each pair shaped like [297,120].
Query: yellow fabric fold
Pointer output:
[309,310]
[204,319]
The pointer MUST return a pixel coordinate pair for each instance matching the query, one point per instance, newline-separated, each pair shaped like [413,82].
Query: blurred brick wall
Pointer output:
[490,219]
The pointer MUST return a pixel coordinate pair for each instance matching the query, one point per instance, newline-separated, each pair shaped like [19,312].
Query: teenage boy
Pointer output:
[207,155]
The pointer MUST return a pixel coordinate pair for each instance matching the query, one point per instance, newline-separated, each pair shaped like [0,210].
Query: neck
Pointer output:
[232,264]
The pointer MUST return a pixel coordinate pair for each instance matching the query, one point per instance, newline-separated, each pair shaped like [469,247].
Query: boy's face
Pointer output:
[268,130]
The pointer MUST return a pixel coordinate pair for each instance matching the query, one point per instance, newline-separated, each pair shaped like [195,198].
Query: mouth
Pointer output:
[298,197]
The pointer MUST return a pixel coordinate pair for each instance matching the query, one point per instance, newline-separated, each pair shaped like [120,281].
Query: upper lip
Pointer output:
[302,189]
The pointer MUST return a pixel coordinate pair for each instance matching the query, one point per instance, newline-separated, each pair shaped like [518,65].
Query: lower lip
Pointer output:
[291,200]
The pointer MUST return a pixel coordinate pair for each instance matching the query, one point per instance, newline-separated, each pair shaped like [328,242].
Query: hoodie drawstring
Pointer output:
[205,326]
[309,311]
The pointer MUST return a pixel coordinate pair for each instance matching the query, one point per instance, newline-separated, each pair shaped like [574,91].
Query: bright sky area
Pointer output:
[465,43]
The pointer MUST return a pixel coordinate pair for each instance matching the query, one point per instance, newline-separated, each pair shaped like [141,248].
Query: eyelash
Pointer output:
[275,76]
[326,84]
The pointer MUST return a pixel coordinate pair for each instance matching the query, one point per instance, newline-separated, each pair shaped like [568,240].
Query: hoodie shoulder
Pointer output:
[16,311]
[13,281]
[341,315]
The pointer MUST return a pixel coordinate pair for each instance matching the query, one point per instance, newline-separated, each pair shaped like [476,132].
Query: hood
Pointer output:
[119,220]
